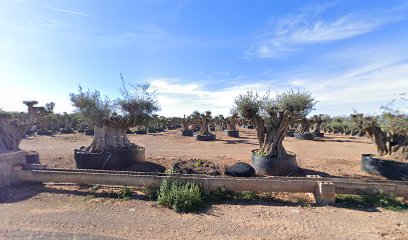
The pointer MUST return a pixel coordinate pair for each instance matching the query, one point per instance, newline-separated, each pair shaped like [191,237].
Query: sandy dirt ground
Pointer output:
[336,155]
[67,212]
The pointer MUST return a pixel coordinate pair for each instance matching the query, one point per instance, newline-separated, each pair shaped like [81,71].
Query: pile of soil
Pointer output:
[196,166]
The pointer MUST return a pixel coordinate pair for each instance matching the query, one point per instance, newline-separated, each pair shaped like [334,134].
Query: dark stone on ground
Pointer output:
[240,169]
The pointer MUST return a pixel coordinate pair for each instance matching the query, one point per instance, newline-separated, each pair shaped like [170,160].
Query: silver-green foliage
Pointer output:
[181,196]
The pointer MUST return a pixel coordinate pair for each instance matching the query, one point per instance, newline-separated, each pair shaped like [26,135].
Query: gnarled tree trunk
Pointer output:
[379,138]
[304,126]
[204,124]
[11,133]
[109,138]
[270,142]
[232,123]
[317,126]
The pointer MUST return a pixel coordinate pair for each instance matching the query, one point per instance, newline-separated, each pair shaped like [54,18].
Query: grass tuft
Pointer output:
[125,193]
[371,200]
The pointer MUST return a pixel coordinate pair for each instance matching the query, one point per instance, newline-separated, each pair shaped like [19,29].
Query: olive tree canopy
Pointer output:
[271,116]
[111,119]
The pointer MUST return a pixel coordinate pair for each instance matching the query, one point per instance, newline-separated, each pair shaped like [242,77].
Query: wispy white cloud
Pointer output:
[310,25]
[53,8]
[178,97]
[367,79]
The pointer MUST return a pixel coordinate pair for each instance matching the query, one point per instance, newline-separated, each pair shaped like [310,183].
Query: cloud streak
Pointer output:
[309,26]
[54,8]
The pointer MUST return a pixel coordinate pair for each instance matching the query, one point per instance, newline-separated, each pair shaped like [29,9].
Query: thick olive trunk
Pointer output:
[11,133]
[232,123]
[304,126]
[379,138]
[274,146]
[270,142]
[109,138]
[260,129]
[317,127]
[205,127]
[398,146]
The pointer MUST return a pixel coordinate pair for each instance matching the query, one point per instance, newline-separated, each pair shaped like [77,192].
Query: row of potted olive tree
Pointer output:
[201,122]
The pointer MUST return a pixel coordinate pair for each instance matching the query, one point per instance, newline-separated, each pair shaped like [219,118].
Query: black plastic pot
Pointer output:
[30,132]
[387,168]
[304,136]
[89,132]
[141,132]
[212,129]
[187,133]
[250,127]
[45,132]
[290,133]
[66,130]
[105,160]
[32,157]
[318,134]
[232,133]
[210,137]
[274,166]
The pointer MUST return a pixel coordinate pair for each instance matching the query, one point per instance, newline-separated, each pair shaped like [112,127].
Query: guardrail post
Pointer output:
[325,193]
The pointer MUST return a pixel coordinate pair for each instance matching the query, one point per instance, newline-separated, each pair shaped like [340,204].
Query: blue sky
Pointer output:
[200,55]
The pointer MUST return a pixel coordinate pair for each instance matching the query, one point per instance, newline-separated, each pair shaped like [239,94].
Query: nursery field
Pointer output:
[337,155]
[85,212]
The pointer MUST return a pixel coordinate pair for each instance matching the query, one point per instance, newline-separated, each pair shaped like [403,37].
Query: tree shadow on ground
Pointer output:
[236,142]
[303,172]
[335,139]
[26,191]
[145,167]
[20,192]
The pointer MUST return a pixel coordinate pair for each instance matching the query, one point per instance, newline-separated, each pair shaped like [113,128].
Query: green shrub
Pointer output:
[125,193]
[181,196]
[247,195]
[371,200]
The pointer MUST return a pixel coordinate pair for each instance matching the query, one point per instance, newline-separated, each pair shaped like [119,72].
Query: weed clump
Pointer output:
[371,200]
[125,193]
[181,196]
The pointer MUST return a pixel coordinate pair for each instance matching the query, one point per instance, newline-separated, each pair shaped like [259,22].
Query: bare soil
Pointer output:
[71,212]
[337,155]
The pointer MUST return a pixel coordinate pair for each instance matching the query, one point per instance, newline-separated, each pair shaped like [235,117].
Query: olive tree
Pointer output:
[203,119]
[13,126]
[111,119]
[186,122]
[232,121]
[304,125]
[389,132]
[317,122]
[271,117]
